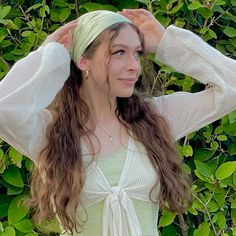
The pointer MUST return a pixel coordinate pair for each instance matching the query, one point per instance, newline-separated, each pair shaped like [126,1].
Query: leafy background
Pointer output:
[208,154]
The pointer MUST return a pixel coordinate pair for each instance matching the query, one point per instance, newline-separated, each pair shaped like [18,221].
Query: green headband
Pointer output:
[90,25]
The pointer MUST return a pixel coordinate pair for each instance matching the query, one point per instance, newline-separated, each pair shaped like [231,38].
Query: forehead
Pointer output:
[128,36]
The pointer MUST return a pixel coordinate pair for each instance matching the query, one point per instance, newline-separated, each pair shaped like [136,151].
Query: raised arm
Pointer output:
[26,91]
[29,88]
[189,54]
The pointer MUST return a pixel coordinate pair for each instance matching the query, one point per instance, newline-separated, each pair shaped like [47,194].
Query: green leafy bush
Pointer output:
[209,154]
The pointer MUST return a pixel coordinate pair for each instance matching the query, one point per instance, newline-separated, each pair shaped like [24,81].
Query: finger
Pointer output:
[63,30]
[139,11]
[136,19]
[66,41]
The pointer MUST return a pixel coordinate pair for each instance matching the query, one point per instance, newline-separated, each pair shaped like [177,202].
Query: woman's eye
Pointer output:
[119,52]
[139,53]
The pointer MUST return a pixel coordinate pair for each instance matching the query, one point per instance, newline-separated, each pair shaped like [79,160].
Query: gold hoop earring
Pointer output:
[86,74]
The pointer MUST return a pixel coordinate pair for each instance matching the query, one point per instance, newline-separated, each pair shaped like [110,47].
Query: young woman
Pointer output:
[105,156]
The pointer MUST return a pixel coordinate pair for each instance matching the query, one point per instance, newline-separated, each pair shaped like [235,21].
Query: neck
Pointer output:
[101,106]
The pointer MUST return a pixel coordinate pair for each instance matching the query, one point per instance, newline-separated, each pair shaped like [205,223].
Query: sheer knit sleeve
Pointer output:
[189,54]
[26,91]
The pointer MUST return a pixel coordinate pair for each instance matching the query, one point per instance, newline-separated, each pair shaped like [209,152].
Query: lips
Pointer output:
[129,81]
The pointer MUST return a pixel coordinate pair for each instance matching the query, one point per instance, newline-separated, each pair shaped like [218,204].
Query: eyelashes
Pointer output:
[121,52]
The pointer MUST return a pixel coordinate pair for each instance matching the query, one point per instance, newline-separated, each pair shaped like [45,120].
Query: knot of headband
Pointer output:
[90,25]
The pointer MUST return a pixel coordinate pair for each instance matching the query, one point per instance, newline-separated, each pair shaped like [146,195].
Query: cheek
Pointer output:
[115,67]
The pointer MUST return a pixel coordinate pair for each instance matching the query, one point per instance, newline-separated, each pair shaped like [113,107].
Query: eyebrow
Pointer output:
[124,46]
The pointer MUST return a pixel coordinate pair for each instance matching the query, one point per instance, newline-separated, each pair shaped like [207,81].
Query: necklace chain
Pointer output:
[105,132]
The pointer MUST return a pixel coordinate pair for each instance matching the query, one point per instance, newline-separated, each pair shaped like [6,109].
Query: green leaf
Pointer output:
[71,6]
[4,10]
[17,211]
[218,130]
[207,134]
[233,3]
[230,32]
[8,231]
[215,218]
[17,52]
[220,198]
[234,231]
[24,226]
[194,6]
[231,16]
[203,154]
[35,6]
[1,154]
[43,10]
[205,12]
[169,230]
[212,33]
[65,13]
[12,176]
[4,205]
[16,157]
[220,2]
[127,4]
[143,1]
[89,6]
[186,168]
[233,204]
[167,218]
[12,190]
[59,3]
[213,206]
[193,211]
[176,8]
[232,116]
[26,33]
[18,22]
[225,170]
[214,145]
[222,137]
[230,128]
[203,168]
[234,178]
[11,25]
[187,151]
[180,23]
[204,30]
[203,229]
[165,21]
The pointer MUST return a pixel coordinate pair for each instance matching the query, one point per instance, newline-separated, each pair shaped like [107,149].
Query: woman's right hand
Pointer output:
[62,35]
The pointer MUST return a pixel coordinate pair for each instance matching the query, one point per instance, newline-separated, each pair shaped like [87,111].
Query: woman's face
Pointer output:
[122,67]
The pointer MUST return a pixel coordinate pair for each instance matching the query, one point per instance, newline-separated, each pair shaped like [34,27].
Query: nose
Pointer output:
[133,63]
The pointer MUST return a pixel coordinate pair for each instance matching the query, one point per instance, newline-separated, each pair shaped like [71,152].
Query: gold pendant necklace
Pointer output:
[105,132]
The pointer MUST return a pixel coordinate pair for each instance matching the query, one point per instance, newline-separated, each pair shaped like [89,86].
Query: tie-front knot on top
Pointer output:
[136,181]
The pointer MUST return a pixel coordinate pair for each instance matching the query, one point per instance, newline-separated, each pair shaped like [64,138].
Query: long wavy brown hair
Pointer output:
[59,177]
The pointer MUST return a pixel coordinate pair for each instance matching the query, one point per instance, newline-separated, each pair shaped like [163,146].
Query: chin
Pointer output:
[125,93]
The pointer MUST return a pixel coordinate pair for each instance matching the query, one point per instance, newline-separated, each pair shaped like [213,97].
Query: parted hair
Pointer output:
[59,177]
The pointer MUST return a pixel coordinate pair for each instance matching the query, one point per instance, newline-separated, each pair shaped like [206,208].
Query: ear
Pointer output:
[83,64]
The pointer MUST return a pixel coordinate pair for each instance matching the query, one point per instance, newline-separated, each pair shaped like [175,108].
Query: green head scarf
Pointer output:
[90,25]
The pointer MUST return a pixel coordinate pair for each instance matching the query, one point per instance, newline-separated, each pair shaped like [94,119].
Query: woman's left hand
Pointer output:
[148,25]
